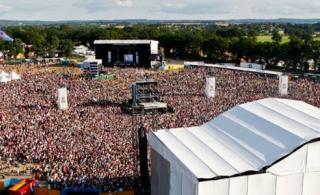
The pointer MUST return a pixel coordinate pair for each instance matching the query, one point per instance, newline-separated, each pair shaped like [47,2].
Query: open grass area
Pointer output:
[285,39]
[268,38]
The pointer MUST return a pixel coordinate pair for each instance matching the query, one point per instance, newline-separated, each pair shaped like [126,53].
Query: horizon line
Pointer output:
[148,19]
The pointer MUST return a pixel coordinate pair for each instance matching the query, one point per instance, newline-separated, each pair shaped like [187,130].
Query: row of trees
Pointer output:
[210,43]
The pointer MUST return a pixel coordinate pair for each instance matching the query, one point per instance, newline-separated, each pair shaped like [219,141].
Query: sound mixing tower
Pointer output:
[145,98]
[94,69]
[145,104]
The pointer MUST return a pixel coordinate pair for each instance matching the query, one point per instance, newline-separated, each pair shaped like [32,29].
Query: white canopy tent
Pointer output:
[4,77]
[266,147]
[4,74]
[14,76]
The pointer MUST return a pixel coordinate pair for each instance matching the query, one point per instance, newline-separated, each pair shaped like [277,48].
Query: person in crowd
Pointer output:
[90,144]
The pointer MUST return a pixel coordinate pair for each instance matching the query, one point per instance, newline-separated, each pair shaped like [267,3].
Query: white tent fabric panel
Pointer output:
[222,149]
[311,185]
[277,136]
[215,187]
[313,160]
[211,159]
[293,126]
[290,184]
[305,159]
[164,151]
[295,163]
[309,109]
[161,172]
[180,178]
[155,171]
[181,182]
[164,181]
[263,184]
[237,148]
[248,137]
[182,152]
[238,186]
[188,187]
[263,129]
[176,180]
[258,143]
[293,113]
[253,143]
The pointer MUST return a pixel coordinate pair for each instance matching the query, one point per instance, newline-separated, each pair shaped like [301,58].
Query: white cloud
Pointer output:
[124,3]
[174,5]
[287,8]
[191,7]
[100,5]
[157,9]
[4,8]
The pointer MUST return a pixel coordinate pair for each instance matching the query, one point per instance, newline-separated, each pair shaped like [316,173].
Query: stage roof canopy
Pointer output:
[125,42]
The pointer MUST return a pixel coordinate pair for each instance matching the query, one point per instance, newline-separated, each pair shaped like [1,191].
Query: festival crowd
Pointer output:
[91,143]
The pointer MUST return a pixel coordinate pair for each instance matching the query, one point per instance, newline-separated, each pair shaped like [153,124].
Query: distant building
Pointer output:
[135,53]
[281,32]
[120,26]
[82,50]
[222,23]
[253,66]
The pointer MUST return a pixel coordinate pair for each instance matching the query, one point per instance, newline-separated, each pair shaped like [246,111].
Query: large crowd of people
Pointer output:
[90,144]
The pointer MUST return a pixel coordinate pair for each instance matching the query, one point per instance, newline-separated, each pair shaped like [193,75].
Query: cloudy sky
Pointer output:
[157,9]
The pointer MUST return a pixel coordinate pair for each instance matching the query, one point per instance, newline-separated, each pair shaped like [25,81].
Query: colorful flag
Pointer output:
[5,37]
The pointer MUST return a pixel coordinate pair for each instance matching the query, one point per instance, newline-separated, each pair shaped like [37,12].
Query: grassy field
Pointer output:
[285,39]
[267,38]
[317,38]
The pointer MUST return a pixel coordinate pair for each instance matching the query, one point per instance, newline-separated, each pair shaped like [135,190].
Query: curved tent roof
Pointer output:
[249,137]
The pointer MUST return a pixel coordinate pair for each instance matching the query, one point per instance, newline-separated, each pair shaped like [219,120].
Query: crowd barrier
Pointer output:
[235,68]
[75,191]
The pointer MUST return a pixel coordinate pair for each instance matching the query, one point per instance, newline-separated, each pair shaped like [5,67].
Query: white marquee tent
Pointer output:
[4,77]
[4,74]
[14,76]
[266,147]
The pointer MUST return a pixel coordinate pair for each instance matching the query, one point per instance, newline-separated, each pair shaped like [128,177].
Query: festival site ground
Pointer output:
[90,144]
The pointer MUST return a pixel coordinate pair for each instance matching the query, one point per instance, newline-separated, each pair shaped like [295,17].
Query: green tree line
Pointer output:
[209,43]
